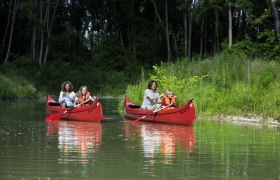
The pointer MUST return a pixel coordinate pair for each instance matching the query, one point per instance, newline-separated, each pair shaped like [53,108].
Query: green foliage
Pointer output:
[12,88]
[269,45]
[76,69]
[166,80]
[229,83]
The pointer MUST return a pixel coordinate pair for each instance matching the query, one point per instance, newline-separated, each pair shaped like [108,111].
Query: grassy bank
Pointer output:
[229,83]
[12,88]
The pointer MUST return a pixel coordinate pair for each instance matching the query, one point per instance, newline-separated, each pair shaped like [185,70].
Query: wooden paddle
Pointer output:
[56,116]
[134,121]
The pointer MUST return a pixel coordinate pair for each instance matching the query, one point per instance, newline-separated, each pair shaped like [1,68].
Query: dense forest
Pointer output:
[106,43]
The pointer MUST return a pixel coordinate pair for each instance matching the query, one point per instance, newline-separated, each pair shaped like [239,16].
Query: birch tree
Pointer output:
[275,12]
[229,25]
[14,12]
[166,26]
[6,29]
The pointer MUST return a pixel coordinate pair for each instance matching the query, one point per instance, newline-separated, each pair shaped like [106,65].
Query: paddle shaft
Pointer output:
[150,113]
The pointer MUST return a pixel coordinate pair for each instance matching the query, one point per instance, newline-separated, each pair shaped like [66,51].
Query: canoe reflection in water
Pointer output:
[161,139]
[77,141]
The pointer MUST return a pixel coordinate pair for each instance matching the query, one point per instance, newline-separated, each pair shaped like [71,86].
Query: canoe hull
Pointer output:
[92,113]
[184,115]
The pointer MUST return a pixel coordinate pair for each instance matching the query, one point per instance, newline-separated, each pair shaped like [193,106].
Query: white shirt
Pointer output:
[68,98]
[150,102]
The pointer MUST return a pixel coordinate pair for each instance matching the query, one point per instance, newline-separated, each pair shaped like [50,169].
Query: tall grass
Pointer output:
[12,88]
[229,83]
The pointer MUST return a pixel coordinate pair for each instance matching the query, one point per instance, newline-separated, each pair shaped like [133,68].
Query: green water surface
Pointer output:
[30,148]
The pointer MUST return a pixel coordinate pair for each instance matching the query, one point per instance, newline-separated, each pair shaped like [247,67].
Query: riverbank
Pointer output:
[16,87]
[252,119]
[230,83]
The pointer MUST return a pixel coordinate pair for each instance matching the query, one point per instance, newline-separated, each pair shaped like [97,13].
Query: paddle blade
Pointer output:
[54,117]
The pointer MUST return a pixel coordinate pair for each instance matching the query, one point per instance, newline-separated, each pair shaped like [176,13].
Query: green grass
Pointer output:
[12,88]
[229,83]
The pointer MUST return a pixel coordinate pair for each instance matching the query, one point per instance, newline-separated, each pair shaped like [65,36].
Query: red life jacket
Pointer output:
[166,101]
[82,99]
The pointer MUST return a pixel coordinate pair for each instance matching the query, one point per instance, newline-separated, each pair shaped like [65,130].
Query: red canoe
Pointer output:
[184,115]
[92,113]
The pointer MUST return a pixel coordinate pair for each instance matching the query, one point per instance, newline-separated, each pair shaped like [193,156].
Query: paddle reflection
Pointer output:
[161,139]
[77,141]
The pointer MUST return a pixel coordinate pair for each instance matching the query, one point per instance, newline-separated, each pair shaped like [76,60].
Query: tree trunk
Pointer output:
[276,18]
[49,30]
[16,2]
[34,33]
[164,29]
[153,50]
[217,44]
[134,50]
[229,26]
[43,26]
[201,37]
[242,24]
[185,30]
[167,32]
[205,36]
[190,31]
[156,11]
[42,33]
[6,30]
[122,43]
[175,44]
[91,36]
[155,23]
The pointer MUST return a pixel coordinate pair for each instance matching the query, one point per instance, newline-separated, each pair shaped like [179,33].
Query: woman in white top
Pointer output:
[67,95]
[151,99]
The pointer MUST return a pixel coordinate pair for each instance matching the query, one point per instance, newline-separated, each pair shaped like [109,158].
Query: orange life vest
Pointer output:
[167,101]
[82,99]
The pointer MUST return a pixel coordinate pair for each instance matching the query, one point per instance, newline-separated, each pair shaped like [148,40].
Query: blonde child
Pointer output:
[168,99]
[83,95]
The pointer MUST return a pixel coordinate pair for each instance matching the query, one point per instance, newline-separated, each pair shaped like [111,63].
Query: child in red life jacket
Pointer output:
[168,99]
[83,95]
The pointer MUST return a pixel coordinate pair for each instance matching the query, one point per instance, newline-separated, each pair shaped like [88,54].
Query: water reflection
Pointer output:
[77,141]
[161,140]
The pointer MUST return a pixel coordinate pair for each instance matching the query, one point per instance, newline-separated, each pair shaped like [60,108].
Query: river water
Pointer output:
[30,148]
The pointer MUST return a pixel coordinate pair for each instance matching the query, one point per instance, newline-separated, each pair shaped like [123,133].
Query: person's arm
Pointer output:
[92,98]
[175,104]
[60,96]
[158,98]
[73,95]
[76,102]
[148,94]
